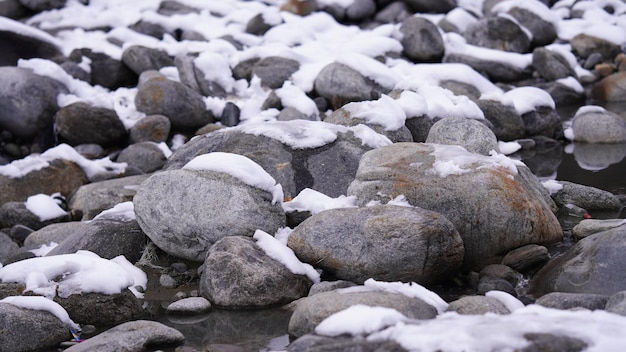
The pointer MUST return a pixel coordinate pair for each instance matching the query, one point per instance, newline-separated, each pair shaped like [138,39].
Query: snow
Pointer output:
[611,33]
[552,186]
[536,7]
[385,112]
[400,201]
[314,202]
[572,83]
[527,99]
[460,18]
[215,68]
[294,97]
[34,162]
[67,274]
[511,303]
[121,212]
[359,320]
[44,304]
[9,25]
[285,255]
[455,44]
[589,109]
[241,167]
[44,249]
[45,207]
[282,235]
[456,160]
[507,148]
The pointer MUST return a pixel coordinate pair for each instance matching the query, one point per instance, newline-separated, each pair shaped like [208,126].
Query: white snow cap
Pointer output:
[359,319]
[45,207]
[121,212]
[315,202]
[241,167]
[42,303]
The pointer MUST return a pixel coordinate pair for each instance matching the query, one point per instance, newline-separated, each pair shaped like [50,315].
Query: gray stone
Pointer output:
[543,32]
[341,84]
[27,101]
[26,330]
[343,117]
[172,209]
[617,303]
[152,128]
[563,94]
[490,283]
[493,210]
[100,309]
[14,10]
[14,213]
[257,26]
[498,33]
[610,88]
[19,233]
[167,281]
[564,300]
[395,12]
[43,5]
[387,243]
[431,6]
[599,127]
[289,113]
[550,342]
[239,274]
[551,65]
[315,343]
[360,10]
[471,134]
[507,123]
[74,70]
[230,115]
[183,106]
[586,197]
[192,76]
[310,311]
[595,264]
[474,305]
[419,126]
[190,305]
[588,227]
[7,247]
[140,58]
[502,272]
[275,70]
[421,40]
[106,71]
[495,70]
[145,156]
[22,44]
[56,233]
[106,238]
[326,286]
[526,257]
[584,45]
[91,199]
[81,123]
[543,121]
[134,336]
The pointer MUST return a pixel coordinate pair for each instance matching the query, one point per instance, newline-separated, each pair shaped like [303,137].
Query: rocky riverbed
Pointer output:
[310,175]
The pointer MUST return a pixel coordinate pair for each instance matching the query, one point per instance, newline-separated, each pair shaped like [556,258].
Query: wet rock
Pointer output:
[551,65]
[586,197]
[587,227]
[595,264]
[191,305]
[610,88]
[326,286]
[134,336]
[431,6]
[387,243]
[617,303]
[471,134]
[489,283]
[14,213]
[341,84]
[183,106]
[477,305]
[172,210]
[152,128]
[507,123]
[310,311]
[27,102]
[140,58]
[274,70]
[563,300]
[230,115]
[315,343]
[421,40]
[501,271]
[100,309]
[30,330]
[239,274]
[498,33]
[517,213]
[145,156]
[599,127]
[81,123]
[106,71]
[526,258]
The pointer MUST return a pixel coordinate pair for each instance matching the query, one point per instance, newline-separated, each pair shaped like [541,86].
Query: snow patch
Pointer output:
[44,304]
[45,207]
[456,160]
[315,202]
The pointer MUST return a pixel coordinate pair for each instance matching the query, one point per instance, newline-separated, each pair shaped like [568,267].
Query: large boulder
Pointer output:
[239,274]
[184,212]
[387,243]
[595,264]
[495,203]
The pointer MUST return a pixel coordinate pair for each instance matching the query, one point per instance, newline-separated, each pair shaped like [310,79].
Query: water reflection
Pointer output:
[596,157]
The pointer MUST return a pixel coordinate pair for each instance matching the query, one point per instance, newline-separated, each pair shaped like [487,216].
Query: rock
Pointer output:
[594,264]
[315,343]
[27,102]
[56,233]
[489,283]
[419,127]
[543,31]
[19,233]
[617,303]
[152,128]
[257,25]
[501,271]
[274,70]
[360,10]
[471,134]
[431,6]
[589,198]
[421,40]
[192,75]
[173,211]
[563,93]
[387,243]
[494,209]
[498,33]
[551,342]
[191,305]
[243,70]
[100,309]
[477,305]
[183,106]
[7,247]
[341,84]
[81,123]
[133,336]
[343,117]
[22,42]
[43,5]
[599,127]
[30,330]
[310,311]
[526,257]
[326,286]
[14,10]
[563,300]
[584,45]
[543,121]
[239,274]
[610,88]
[230,115]
[90,200]
[167,281]
[507,123]
[140,58]
[106,238]
[145,156]
[327,166]
[14,213]
[495,70]
[59,176]
[289,113]
[587,227]
[551,65]
[105,71]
